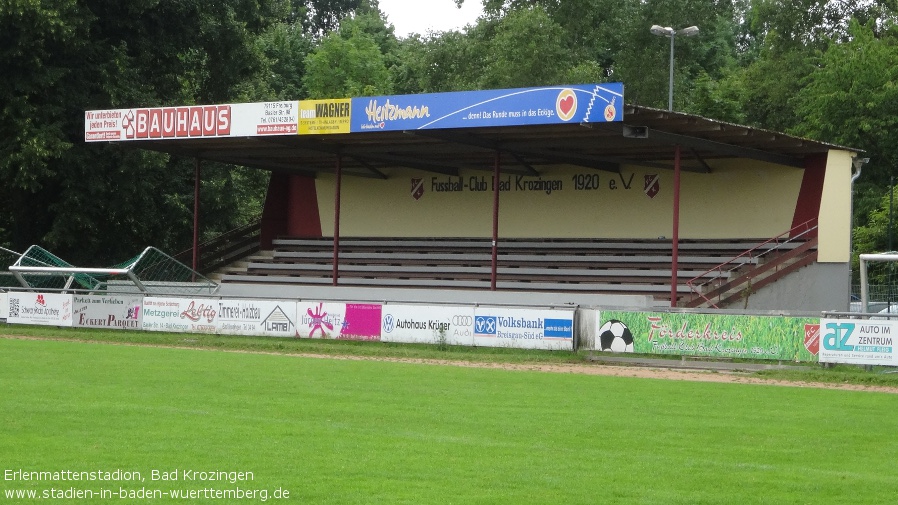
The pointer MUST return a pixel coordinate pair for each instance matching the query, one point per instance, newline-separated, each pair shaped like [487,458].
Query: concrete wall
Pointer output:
[815,288]
[567,202]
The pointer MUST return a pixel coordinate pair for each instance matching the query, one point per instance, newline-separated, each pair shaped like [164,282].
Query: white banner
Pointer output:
[192,121]
[352,321]
[273,318]
[107,311]
[48,309]
[525,328]
[4,305]
[421,324]
[860,342]
[191,315]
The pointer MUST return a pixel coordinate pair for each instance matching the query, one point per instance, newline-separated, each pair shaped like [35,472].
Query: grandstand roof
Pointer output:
[645,138]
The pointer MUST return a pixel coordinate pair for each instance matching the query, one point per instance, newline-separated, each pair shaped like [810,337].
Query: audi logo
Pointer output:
[458,320]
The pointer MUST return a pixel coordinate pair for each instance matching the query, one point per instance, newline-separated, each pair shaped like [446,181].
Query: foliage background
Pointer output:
[820,69]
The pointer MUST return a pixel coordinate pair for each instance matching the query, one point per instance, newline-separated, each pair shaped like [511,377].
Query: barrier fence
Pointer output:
[833,338]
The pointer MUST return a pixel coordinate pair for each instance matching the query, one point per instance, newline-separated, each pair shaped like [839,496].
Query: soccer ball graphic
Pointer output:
[614,336]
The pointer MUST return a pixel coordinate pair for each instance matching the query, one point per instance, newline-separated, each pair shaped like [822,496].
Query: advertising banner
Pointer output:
[121,312]
[4,305]
[524,328]
[272,318]
[189,315]
[595,103]
[194,121]
[860,342]
[351,321]
[324,116]
[47,309]
[422,324]
[717,335]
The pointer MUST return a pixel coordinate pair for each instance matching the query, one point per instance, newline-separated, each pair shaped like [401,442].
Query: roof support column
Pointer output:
[495,252]
[675,245]
[196,214]
[339,173]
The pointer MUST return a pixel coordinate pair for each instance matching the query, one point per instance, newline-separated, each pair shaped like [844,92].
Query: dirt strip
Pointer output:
[570,368]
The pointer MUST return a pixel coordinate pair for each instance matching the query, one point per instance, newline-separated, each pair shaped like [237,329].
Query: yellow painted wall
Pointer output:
[835,209]
[738,199]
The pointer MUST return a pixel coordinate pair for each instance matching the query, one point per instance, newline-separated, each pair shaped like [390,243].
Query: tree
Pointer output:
[350,61]
[100,203]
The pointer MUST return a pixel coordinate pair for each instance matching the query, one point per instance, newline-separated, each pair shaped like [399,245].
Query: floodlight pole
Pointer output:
[196,214]
[666,31]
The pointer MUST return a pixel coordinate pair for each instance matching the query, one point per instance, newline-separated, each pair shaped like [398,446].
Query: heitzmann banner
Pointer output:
[860,342]
[586,103]
[190,122]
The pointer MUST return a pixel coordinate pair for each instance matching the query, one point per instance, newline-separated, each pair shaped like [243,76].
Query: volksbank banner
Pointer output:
[592,103]
[721,335]
[524,328]
[858,342]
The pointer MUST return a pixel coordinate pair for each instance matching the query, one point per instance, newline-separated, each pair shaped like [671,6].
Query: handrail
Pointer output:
[217,247]
[796,232]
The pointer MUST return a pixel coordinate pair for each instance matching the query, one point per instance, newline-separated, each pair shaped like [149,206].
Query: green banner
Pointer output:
[718,335]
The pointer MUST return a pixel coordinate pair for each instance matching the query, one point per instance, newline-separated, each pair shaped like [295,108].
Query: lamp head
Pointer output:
[689,31]
[661,31]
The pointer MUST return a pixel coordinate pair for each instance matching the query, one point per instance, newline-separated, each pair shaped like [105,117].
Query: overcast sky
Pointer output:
[419,16]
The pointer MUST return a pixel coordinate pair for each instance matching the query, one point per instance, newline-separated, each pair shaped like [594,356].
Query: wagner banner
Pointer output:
[859,342]
[525,328]
[428,324]
[122,312]
[715,335]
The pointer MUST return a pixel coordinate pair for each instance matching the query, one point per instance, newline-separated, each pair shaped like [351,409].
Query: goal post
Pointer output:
[862,260]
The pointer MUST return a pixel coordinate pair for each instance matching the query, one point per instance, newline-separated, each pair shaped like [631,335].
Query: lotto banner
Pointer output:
[120,312]
[423,324]
[351,321]
[859,342]
[4,305]
[717,335]
[47,309]
[188,315]
[524,328]
[271,318]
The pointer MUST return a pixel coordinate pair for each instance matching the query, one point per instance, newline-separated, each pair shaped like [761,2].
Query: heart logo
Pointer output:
[566,104]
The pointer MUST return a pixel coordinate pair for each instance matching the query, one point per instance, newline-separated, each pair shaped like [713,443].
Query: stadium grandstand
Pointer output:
[564,195]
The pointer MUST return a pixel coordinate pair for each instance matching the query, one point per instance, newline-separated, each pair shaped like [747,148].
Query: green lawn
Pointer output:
[342,431]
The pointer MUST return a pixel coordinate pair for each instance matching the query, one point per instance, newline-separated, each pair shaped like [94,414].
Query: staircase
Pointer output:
[225,249]
[736,280]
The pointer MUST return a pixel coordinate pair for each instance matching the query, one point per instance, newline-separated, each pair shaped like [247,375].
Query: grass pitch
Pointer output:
[345,432]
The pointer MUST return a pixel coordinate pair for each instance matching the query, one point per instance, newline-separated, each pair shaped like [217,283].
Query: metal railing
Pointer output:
[719,280]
